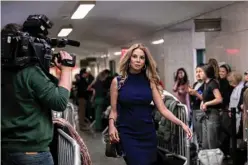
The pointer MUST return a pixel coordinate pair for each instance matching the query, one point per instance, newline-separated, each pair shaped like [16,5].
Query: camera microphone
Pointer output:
[73,43]
[63,42]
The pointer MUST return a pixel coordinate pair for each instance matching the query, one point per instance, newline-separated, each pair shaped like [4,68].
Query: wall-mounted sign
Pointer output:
[232,51]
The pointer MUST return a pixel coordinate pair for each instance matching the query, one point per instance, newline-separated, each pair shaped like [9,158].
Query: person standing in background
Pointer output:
[235,80]
[181,87]
[241,103]
[89,78]
[89,111]
[245,111]
[225,87]
[243,90]
[83,96]
[98,86]
[211,105]
[196,98]
[226,91]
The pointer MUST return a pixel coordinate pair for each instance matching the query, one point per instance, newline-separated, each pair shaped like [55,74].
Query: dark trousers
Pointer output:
[99,102]
[81,112]
[22,158]
[225,133]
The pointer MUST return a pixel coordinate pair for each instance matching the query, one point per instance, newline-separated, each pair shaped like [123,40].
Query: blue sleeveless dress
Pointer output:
[135,123]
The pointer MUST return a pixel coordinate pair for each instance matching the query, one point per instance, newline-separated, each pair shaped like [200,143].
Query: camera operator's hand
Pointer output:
[57,64]
[65,77]
[64,56]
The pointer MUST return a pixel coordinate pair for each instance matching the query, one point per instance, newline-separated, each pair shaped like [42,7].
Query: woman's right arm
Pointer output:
[113,133]
[113,101]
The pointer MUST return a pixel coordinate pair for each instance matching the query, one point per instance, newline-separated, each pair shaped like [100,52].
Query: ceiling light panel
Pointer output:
[82,11]
[64,32]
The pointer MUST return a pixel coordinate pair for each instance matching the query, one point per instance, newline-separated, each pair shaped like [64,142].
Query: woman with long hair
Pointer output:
[226,91]
[215,65]
[235,80]
[99,93]
[225,87]
[181,87]
[211,105]
[130,120]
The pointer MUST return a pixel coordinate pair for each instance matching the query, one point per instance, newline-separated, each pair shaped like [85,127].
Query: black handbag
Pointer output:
[113,150]
[110,150]
[161,157]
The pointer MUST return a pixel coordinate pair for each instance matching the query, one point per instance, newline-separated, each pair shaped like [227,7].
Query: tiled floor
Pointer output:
[96,149]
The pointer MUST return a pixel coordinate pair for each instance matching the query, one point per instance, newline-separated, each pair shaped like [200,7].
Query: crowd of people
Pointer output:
[217,89]
[92,95]
[130,94]
[31,93]
[209,100]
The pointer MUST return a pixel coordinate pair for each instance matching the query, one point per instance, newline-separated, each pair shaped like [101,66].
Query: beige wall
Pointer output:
[234,35]
[178,50]
[179,53]
[175,52]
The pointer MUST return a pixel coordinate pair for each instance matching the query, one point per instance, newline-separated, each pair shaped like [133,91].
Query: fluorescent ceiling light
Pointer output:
[117,53]
[82,11]
[64,32]
[158,42]
[104,56]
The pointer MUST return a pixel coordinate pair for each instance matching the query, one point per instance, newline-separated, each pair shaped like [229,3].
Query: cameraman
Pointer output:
[28,95]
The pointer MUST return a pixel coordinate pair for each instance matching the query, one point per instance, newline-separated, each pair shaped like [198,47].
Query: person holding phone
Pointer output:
[181,87]
[196,97]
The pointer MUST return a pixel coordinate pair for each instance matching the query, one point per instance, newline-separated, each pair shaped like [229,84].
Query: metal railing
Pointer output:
[179,146]
[70,114]
[69,151]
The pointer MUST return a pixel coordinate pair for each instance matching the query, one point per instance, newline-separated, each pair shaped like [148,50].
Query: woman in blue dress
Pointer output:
[130,120]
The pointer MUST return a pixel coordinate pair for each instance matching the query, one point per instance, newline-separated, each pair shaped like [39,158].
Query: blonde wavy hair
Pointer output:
[234,78]
[150,66]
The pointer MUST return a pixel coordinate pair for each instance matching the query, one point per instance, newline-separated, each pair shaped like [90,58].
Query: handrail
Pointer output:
[182,148]
[69,115]
[69,151]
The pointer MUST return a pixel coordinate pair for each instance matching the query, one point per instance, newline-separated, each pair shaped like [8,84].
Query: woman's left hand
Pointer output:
[187,131]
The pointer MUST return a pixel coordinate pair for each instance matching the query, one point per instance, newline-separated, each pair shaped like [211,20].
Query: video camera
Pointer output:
[32,46]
